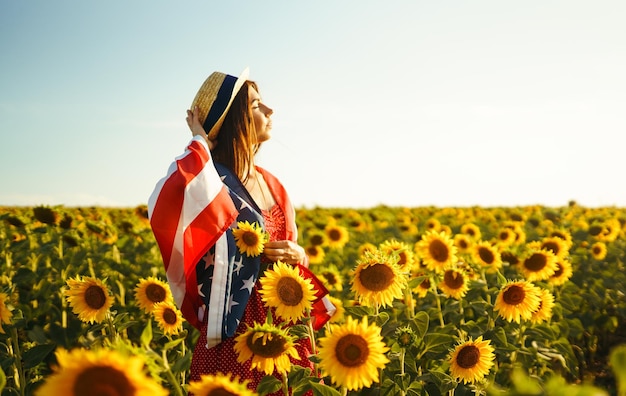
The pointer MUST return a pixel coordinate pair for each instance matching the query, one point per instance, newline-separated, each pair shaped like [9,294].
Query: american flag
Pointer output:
[192,211]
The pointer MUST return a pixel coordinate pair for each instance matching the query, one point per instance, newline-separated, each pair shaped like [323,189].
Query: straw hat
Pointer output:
[214,99]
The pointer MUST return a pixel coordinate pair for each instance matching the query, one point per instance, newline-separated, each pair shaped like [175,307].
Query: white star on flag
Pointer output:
[248,284]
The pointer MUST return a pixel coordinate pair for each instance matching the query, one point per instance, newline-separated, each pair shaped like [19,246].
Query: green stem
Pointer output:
[111,327]
[440,311]
[311,332]
[19,369]
[410,304]
[171,378]
[285,384]
[402,354]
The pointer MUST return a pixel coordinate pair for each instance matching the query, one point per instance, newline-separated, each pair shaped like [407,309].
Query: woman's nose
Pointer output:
[267,111]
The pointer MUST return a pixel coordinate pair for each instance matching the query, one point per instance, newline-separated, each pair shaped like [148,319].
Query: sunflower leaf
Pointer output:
[420,324]
[35,355]
[146,334]
[358,311]
[382,318]
[268,384]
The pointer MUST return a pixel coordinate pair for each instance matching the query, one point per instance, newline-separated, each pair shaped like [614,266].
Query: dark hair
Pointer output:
[237,141]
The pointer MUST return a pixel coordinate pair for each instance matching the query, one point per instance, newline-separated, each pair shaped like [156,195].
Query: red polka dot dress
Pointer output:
[222,358]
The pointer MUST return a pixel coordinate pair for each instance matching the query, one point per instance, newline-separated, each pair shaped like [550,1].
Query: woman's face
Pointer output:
[261,114]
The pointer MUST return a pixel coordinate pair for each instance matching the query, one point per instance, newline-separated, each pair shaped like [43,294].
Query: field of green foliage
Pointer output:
[473,300]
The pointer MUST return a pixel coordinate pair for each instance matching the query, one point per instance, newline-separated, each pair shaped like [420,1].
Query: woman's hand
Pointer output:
[285,251]
[196,127]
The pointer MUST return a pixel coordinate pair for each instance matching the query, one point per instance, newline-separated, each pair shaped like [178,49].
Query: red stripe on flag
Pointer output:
[320,311]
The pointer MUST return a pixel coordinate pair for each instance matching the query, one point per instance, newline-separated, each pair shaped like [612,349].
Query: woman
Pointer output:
[209,189]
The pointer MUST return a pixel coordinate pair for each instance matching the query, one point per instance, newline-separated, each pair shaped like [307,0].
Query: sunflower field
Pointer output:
[429,301]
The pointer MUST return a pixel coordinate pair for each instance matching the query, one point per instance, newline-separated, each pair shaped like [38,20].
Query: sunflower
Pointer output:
[89,298]
[517,300]
[332,278]
[454,284]
[562,274]
[220,384]
[471,361]
[377,280]
[432,224]
[315,253]
[366,247]
[5,313]
[599,250]
[336,235]
[99,372]
[437,250]
[564,235]
[506,237]
[538,265]
[283,288]
[509,257]
[150,291]
[546,303]
[317,238]
[554,244]
[487,256]
[250,238]
[268,346]
[463,243]
[402,250]
[520,234]
[353,353]
[472,230]
[423,288]
[168,317]
[408,228]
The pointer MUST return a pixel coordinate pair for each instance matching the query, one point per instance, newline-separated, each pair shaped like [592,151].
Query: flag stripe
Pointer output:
[189,209]
[219,291]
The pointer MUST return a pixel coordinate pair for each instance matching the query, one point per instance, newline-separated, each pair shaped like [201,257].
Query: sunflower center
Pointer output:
[330,278]
[559,270]
[514,295]
[155,293]
[403,259]
[486,255]
[551,246]
[334,235]
[468,356]
[510,258]
[376,277]
[317,240]
[270,346]
[289,291]
[352,350]
[438,250]
[169,316]
[250,238]
[103,381]
[463,244]
[312,251]
[95,297]
[425,284]
[504,235]
[453,279]
[536,262]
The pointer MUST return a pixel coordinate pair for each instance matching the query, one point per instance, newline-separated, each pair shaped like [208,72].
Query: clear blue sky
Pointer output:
[413,103]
